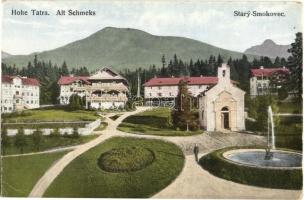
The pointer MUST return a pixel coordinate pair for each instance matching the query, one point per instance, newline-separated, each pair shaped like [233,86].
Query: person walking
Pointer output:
[196,151]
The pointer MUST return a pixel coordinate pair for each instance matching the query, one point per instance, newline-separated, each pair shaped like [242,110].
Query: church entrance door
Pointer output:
[225,118]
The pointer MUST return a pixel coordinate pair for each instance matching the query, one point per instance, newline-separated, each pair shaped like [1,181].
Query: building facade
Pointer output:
[221,107]
[260,79]
[105,89]
[163,91]
[19,93]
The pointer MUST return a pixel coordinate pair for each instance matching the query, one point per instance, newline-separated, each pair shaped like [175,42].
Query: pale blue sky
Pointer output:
[212,23]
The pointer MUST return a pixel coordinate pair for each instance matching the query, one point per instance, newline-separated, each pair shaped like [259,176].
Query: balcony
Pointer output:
[106,98]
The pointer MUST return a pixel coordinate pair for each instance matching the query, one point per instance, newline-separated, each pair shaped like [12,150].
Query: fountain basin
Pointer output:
[256,158]
[246,165]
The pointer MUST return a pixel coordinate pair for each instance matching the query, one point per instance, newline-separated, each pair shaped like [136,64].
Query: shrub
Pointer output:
[20,140]
[55,133]
[125,159]
[75,133]
[37,138]
[5,141]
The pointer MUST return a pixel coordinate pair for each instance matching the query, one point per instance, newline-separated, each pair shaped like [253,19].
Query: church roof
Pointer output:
[201,80]
[25,80]
[266,72]
[66,80]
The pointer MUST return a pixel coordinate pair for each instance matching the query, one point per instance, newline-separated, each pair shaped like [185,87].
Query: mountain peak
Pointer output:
[269,42]
[269,48]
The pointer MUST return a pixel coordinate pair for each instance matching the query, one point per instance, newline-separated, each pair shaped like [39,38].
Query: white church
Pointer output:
[221,107]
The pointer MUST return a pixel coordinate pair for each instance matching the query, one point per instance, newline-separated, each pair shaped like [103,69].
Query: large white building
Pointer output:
[105,89]
[163,91]
[19,93]
[221,107]
[260,79]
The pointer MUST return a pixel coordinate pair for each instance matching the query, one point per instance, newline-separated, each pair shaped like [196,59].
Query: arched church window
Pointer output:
[225,108]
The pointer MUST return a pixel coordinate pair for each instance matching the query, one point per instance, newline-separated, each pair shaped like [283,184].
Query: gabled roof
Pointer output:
[25,80]
[266,72]
[104,74]
[201,80]
[66,80]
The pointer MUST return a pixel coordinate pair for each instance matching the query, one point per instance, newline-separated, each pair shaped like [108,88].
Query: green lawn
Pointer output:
[152,122]
[290,107]
[57,115]
[20,174]
[83,177]
[102,126]
[47,143]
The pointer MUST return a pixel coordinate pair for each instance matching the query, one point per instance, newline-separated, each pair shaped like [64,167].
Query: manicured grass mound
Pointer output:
[219,166]
[126,159]
[84,178]
[21,173]
[153,122]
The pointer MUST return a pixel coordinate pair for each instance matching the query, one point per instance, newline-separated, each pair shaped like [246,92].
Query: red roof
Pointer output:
[203,80]
[25,81]
[65,80]
[266,72]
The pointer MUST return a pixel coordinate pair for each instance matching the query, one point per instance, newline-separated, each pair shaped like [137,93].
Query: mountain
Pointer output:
[5,55]
[269,48]
[124,48]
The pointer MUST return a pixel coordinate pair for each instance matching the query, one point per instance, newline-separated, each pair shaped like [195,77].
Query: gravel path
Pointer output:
[195,182]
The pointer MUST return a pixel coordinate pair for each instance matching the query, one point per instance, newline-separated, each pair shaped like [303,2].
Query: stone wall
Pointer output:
[87,130]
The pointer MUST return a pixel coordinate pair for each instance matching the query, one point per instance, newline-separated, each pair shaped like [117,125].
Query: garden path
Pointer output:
[49,176]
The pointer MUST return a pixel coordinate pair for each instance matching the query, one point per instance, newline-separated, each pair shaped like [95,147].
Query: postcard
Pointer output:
[151,99]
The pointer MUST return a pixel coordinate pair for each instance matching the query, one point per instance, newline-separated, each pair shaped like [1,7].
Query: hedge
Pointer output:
[219,166]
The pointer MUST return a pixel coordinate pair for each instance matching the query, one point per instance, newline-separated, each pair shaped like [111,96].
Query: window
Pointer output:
[159,94]
[224,73]
[170,93]
[150,94]
[159,87]
[17,92]
[31,94]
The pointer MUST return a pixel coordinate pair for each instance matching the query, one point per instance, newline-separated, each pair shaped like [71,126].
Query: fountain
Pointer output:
[270,157]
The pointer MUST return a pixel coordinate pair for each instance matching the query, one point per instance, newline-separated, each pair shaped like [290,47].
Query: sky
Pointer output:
[213,23]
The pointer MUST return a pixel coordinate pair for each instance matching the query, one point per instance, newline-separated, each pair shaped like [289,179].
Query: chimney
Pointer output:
[201,75]
[261,67]
[172,76]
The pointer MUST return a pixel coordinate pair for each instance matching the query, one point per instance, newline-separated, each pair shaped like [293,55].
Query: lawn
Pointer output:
[152,122]
[20,174]
[47,115]
[48,142]
[290,107]
[84,178]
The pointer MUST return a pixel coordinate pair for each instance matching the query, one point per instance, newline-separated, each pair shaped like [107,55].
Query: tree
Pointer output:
[182,115]
[37,138]
[5,142]
[64,69]
[295,64]
[75,102]
[20,140]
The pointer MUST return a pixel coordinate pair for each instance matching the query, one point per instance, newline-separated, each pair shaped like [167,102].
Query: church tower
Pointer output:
[223,74]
